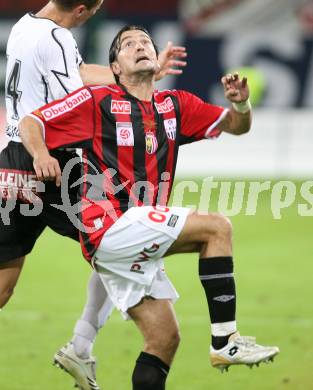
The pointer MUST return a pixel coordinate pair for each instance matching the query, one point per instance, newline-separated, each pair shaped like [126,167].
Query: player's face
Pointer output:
[137,54]
[85,14]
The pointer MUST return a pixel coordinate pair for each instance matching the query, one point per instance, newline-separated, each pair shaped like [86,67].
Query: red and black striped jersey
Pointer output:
[129,146]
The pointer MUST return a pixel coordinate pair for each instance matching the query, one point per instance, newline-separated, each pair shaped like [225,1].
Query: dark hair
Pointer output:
[116,43]
[68,5]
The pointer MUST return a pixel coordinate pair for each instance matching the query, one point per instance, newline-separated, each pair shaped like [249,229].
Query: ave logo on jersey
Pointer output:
[170,128]
[164,107]
[120,107]
[66,105]
[124,134]
[151,143]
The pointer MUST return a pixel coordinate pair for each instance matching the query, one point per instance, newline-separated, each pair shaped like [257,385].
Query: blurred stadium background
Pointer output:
[273,257]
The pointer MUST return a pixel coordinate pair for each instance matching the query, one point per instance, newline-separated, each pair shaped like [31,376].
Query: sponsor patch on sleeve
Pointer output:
[66,105]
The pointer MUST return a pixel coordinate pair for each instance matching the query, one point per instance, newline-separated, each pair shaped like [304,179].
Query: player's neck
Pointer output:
[50,11]
[141,88]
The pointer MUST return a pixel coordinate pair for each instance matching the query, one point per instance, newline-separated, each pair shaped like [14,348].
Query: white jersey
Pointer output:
[42,65]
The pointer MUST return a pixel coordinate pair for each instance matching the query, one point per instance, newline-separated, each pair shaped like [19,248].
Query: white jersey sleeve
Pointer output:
[43,65]
[60,61]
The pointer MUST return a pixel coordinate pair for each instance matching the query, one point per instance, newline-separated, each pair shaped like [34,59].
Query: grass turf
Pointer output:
[273,263]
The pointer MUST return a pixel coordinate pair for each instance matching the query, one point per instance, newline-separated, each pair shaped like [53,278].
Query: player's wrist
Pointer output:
[242,107]
[41,153]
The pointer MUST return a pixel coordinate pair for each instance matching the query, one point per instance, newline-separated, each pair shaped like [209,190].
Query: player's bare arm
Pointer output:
[46,166]
[170,61]
[92,74]
[238,119]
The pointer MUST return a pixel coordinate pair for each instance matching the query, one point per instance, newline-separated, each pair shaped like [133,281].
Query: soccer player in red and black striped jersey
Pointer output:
[130,134]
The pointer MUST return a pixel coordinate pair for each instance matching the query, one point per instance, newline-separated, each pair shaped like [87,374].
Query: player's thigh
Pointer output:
[18,235]
[197,230]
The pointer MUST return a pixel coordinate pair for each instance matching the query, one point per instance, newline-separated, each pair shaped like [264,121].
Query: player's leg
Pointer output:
[129,263]
[211,236]
[157,322]
[9,274]
[18,233]
[75,356]
[16,240]
[96,312]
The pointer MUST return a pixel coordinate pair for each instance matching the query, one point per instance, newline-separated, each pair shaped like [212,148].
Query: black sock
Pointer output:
[219,342]
[150,373]
[216,275]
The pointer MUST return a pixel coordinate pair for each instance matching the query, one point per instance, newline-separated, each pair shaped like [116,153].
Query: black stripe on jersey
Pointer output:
[178,135]
[110,149]
[140,173]
[46,89]
[162,151]
[84,188]
[55,72]
[85,240]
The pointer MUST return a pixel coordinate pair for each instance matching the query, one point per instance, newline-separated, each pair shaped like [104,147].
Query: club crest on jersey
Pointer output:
[120,107]
[124,134]
[170,128]
[151,143]
[164,107]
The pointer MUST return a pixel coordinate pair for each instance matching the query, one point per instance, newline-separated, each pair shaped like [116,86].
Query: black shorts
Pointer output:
[18,233]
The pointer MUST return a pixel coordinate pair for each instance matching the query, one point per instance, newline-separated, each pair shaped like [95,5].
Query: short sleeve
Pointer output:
[199,120]
[61,61]
[68,122]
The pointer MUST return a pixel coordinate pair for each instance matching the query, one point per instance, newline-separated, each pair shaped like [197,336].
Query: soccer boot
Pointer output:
[82,370]
[241,350]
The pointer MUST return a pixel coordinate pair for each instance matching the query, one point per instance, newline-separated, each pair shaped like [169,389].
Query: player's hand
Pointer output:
[170,58]
[235,89]
[47,168]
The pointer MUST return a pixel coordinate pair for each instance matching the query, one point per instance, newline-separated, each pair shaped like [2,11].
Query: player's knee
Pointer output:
[219,225]
[167,343]
[173,341]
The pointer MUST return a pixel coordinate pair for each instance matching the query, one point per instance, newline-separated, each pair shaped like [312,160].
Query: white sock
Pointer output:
[223,328]
[96,312]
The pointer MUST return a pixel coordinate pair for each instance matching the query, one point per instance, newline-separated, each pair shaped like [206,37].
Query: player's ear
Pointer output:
[80,10]
[116,68]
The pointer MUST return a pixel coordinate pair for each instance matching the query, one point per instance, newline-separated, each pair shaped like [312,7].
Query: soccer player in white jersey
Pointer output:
[44,64]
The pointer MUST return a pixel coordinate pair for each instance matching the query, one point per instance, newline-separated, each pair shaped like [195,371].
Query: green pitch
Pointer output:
[274,268]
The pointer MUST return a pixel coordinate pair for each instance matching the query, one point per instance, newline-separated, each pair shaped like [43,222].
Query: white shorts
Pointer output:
[129,257]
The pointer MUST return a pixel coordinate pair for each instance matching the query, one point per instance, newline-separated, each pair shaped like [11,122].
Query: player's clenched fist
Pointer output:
[47,168]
